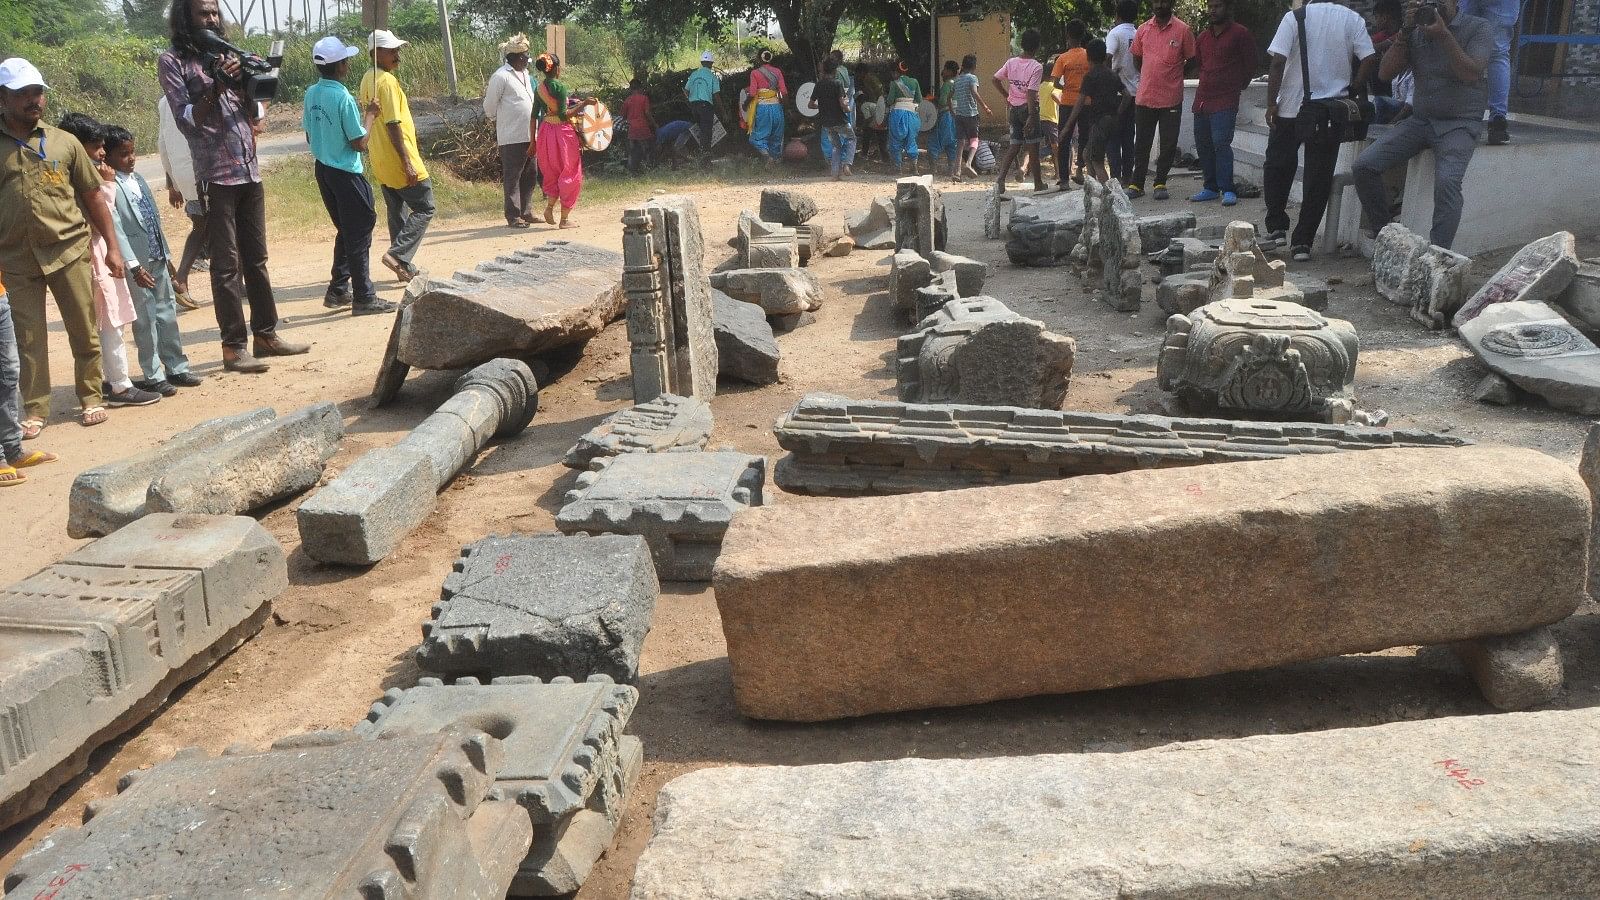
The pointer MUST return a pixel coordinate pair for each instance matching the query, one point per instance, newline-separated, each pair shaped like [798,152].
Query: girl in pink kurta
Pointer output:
[556,145]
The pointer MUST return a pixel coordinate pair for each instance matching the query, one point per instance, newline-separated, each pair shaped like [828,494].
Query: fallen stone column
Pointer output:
[108,497]
[320,815]
[93,644]
[567,762]
[845,447]
[361,516]
[277,459]
[1471,807]
[548,605]
[956,597]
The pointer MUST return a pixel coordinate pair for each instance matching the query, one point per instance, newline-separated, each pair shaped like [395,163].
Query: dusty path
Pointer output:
[340,637]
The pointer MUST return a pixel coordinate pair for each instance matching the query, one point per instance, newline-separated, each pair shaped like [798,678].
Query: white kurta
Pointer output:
[508,101]
[174,150]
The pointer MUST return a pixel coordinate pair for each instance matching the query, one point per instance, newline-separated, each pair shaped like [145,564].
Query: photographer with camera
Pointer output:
[214,90]
[1447,52]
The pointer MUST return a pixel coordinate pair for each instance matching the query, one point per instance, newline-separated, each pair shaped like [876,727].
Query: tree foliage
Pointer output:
[50,22]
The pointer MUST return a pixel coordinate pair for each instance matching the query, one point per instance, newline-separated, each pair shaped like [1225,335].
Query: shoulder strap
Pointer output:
[1305,64]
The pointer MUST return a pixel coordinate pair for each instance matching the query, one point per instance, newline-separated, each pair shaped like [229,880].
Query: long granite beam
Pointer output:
[954,597]
[843,447]
[1475,807]
[361,516]
[93,644]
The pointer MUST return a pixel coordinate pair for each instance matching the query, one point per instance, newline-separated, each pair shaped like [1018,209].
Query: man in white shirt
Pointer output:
[1336,41]
[183,192]
[1119,48]
[508,102]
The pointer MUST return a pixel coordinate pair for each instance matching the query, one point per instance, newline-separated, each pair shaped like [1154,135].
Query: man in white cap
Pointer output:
[508,102]
[337,135]
[396,162]
[701,89]
[47,185]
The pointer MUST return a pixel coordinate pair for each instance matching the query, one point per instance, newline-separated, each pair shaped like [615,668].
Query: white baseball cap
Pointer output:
[385,40]
[708,56]
[331,50]
[17,73]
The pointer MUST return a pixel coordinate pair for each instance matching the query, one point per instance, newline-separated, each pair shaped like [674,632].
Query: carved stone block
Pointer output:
[1260,359]
[1428,280]
[919,219]
[674,349]
[976,350]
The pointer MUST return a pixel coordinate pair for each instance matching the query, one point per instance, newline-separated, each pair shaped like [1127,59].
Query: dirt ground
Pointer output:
[340,637]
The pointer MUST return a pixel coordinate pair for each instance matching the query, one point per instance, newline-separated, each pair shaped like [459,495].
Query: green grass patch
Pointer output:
[294,205]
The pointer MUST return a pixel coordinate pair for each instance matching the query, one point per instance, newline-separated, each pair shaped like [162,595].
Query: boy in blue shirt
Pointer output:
[337,135]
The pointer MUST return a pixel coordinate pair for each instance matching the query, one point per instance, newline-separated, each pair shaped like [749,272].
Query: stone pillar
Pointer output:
[669,301]
[649,307]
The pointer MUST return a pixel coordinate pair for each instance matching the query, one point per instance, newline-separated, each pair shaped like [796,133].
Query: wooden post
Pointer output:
[449,48]
[555,41]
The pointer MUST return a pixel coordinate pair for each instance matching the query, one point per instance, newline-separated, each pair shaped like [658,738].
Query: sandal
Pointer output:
[34,458]
[10,477]
[94,415]
[550,213]
[31,428]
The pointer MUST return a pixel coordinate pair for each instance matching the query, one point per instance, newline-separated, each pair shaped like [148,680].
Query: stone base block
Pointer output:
[956,597]
[1515,671]
[680,503]
[1476,807]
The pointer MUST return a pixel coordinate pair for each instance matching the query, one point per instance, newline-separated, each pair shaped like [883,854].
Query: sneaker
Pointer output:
[184,379]
[1135,192]
[1274,239]
[1161,192]
[337,299]
[1301,253]
[132,397]
[1498,135]
[1206,195]
[159,386]
[372,307]
[1229,198]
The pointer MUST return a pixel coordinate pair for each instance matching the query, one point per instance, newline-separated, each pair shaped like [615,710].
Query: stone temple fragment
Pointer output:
[667,423]
[978,351]
[1540,352]
[681,503]
[1426,279]
[673,350]
[320,815]
[93,644]
[1261,359]
[843,447]
[568,764]
[548,605]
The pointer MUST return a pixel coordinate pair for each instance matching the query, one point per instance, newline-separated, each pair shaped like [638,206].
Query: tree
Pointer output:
[146,17]
[50,22]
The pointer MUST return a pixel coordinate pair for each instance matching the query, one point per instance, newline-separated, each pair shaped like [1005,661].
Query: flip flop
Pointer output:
[10,477]
[31,428]
[34,458]
[550,214]
[94,415]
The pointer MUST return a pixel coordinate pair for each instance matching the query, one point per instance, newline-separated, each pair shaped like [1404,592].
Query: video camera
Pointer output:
[257,80]
[1428,12]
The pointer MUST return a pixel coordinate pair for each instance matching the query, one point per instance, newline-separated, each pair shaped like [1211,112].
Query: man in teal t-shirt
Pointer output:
[337,135]
[701,89]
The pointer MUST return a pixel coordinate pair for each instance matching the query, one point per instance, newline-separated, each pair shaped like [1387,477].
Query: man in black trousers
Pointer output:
[337,135]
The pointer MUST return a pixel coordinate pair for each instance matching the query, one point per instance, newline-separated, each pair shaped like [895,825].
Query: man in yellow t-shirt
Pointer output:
[407,192]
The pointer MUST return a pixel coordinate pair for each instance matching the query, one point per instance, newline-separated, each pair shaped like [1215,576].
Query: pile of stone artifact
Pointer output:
[362,515]
[1046,229]
[226,466]
[528,302]
[1237,269]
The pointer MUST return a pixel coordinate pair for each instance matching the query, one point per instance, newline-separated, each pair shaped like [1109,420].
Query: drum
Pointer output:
[929,114]
[802,100]
[595,126]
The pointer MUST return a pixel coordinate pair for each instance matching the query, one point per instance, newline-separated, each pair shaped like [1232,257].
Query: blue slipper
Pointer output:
[1205,196]
[1229,198]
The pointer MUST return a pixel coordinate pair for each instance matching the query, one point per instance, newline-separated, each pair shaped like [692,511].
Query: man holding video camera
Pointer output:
[208,85]
[1447,52]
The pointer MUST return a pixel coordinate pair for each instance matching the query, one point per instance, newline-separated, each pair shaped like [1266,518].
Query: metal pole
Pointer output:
[449,47]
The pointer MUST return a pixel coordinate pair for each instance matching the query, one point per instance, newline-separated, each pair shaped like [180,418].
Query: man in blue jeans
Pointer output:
[1227,55]
[1502,17]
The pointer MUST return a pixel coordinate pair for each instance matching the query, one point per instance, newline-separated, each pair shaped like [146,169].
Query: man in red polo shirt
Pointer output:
[1161,48]
[1227,55]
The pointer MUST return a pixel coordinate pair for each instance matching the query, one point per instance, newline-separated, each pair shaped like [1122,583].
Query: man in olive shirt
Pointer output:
[44,242]
[1447,53]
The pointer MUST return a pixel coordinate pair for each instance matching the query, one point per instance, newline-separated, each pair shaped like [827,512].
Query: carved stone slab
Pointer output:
[1531,344]
[976,350]
[1429,280]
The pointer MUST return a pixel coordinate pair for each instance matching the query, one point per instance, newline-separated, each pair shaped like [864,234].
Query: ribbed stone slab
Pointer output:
[1476,807]
[956,597]
[680,503]
[515,305]
[93,644]
[667,423]
[275,460]
[844,447]
[108,497]
[567,761]
[327,815]
[549,605]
